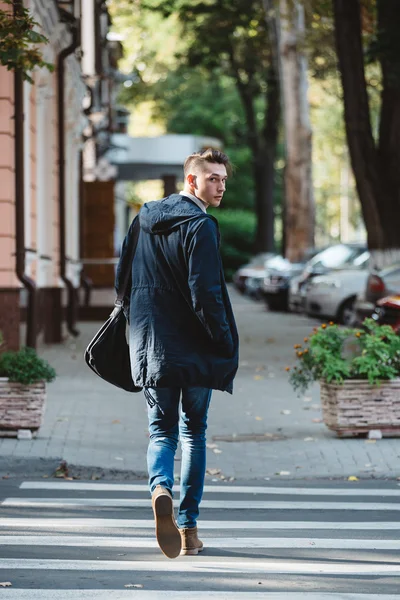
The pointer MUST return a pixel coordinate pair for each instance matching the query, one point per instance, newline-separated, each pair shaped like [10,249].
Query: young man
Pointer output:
[183,338]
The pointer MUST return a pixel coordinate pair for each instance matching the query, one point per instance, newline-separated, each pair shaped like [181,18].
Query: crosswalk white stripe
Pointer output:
[215,504]
[38,594]
[84,524]
[230,542]
[206,566]
[226,489]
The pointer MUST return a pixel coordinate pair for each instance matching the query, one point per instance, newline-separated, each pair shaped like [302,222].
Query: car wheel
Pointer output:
[274,304]
[346,314]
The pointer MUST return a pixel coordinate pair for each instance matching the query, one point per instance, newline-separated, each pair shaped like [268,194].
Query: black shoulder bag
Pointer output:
[108,352]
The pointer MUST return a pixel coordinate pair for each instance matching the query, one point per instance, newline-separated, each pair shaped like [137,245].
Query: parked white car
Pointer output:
[332,296]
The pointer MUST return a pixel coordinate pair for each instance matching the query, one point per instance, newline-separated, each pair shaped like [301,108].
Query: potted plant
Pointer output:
[23,377]
[358,371]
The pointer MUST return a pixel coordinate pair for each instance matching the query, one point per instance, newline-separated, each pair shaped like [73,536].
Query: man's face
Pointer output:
[209,183]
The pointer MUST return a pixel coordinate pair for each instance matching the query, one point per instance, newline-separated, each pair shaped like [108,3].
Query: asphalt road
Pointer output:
[76,540]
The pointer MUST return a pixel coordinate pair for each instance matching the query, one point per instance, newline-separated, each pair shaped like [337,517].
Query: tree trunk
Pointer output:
[263,155]
[389,131]
[263,169]
[375,166]
[265,165]
[300,212]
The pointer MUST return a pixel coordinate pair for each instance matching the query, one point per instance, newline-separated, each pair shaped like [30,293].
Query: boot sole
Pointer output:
[191,551]
[167,533]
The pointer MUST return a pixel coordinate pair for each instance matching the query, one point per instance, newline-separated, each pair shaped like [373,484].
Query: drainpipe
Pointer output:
[72,292]
[27,282]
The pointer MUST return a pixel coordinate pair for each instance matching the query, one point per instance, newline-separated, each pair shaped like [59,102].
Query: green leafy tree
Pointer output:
[230,38]
[19,40]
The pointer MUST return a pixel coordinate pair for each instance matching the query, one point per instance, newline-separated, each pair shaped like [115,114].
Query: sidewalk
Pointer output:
[90,423]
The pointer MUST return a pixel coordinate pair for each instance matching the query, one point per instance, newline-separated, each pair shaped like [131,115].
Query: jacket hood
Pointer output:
[162,216]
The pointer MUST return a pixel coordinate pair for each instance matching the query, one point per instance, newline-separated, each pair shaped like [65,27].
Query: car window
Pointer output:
[335,256]
[259,259]
[278,262]
[361,260]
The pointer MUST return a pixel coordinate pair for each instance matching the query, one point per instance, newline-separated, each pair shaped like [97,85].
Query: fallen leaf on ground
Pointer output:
[286,412]
[258,377]
[352,478]
[308,439]
[270,340]
[115,421]
[370,441]
[5,584]
[259,418]
[62,470]
[213,471]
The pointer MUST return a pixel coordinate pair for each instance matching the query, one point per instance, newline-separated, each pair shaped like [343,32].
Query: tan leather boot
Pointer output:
[167,533]
[191,545]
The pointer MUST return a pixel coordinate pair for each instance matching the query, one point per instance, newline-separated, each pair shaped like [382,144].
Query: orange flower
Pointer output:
[331,323]
[323,326]
[287,369]
[305,351]
[306,339]
[358,334]
[300,354]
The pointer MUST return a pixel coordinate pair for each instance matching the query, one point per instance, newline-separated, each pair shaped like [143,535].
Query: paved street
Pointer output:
[82,540]
[90,423]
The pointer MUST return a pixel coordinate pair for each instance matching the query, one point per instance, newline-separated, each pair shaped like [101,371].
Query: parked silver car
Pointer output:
[253,268]
[337,256]
[333,295]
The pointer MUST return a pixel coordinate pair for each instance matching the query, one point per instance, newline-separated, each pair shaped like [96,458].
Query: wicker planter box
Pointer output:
[356,407]
[21,406]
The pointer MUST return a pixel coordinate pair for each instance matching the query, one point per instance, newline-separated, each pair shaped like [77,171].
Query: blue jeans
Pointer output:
[165,427]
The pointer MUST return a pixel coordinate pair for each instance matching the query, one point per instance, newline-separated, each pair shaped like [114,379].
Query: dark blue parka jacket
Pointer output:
[182,331]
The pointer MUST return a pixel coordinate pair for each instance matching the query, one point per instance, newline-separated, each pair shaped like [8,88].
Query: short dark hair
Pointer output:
[209,155]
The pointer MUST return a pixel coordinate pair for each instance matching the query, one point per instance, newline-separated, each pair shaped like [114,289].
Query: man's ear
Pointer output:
[191,180]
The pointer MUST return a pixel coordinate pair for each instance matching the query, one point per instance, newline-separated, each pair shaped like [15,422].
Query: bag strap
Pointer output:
[128,267]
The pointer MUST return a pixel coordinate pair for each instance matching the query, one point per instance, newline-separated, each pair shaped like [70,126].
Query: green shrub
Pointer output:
[334,354]
[237,229]
[25,366]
